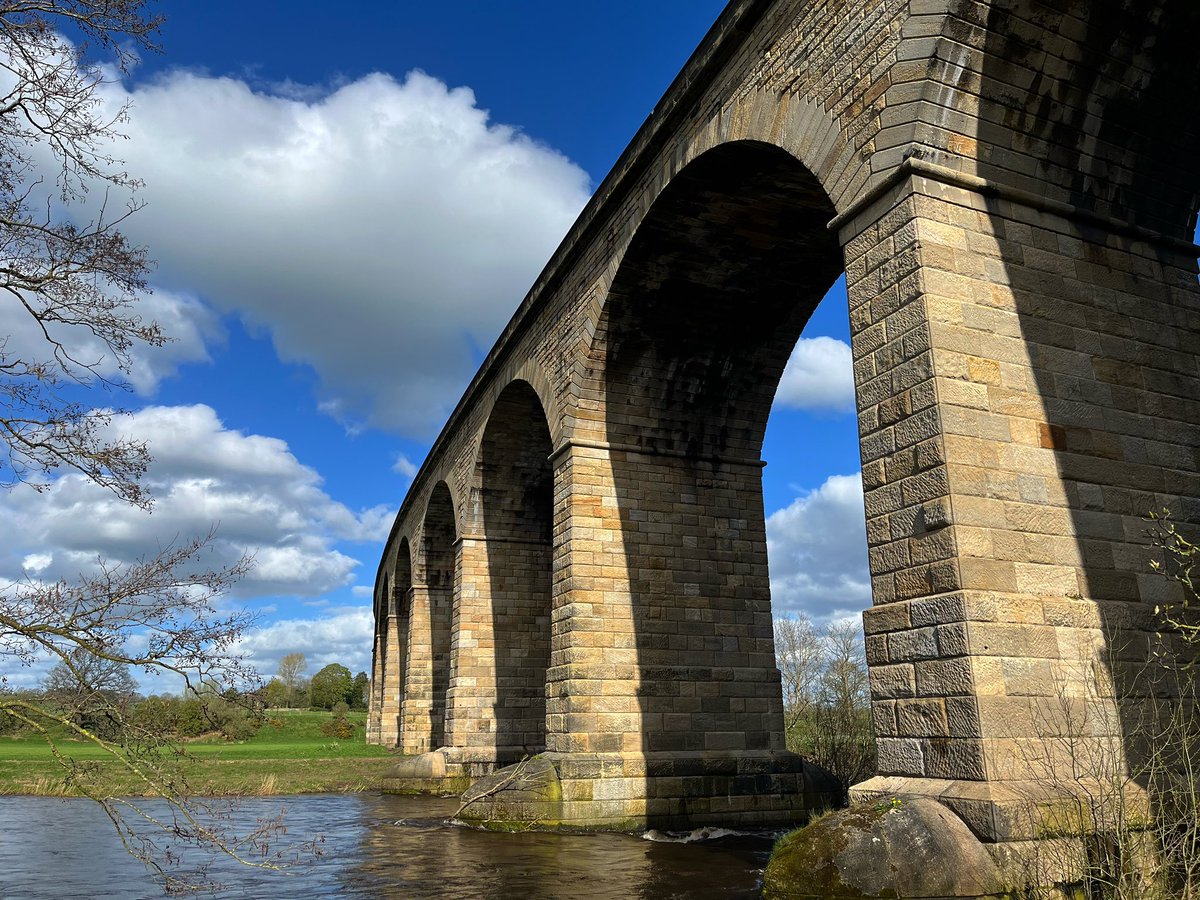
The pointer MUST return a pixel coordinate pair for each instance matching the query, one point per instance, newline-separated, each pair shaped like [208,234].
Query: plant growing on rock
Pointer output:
[1122,764]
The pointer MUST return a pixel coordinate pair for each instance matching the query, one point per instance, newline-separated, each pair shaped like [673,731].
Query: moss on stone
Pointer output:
[896,848]
[519,797]
[436,787]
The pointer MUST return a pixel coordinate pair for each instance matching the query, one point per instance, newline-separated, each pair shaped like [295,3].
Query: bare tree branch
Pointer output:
[70,284]
[61,276]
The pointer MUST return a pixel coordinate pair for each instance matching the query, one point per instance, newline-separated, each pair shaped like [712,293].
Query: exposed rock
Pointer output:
[911,848]
[425,774]
[517,797]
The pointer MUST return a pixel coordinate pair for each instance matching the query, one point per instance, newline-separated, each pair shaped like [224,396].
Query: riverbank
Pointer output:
[288,755]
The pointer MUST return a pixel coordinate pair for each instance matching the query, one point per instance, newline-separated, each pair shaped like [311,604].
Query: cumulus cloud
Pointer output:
[381,232]
[817,549]
[819,376]
[341,635]
[262,500]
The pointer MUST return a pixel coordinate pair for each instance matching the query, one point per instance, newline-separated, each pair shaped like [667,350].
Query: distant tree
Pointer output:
[800,655]
[827,708]
[276,693]
[92,692]
[84,674]
[330,686]
[360,691]
[291,672]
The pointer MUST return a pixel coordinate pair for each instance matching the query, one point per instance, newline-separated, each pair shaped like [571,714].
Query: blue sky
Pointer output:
[346,204]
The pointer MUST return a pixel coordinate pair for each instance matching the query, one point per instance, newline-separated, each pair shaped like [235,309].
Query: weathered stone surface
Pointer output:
[522,796]
[428,773]
[577,791]
[580,566]
[912,848]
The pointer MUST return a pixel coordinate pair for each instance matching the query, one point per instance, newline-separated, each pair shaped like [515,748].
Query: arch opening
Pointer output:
[395,641]
[705,310]
[378,658]
[516,493]
[710,299]
[439,536]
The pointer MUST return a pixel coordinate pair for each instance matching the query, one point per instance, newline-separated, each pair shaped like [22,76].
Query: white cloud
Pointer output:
[819,376]
[341,635]
[817,549]
[379,232]
[36,563]
[405,467]
[362,590]
[188,323]
[261,499]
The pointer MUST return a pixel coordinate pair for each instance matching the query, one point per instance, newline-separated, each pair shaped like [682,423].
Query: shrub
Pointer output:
[338,727]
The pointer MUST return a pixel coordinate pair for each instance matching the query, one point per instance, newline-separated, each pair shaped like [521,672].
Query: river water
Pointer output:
[373,846]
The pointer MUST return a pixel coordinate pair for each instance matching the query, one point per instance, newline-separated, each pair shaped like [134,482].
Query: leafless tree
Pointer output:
[1179,557]
[1114,773]
[800,655]
[83,673]
[826,696]
[70,282]
[291,673]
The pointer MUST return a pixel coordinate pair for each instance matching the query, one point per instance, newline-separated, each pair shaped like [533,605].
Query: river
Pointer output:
[373,846]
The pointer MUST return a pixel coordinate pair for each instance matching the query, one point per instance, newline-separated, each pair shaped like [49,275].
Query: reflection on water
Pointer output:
[378,847]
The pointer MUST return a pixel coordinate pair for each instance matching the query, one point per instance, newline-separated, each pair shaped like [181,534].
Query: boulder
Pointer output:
[901,847]
[515,798]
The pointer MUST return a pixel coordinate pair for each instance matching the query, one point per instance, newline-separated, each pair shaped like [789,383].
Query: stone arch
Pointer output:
[532,373]
[394,639]
[794,125]
[378,656]
[709,299]
[513,483]
[380,600]
[755,231]
[430,612]
[402,580]
[438,537]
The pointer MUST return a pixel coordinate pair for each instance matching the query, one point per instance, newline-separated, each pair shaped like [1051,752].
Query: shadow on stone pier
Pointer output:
[614,792]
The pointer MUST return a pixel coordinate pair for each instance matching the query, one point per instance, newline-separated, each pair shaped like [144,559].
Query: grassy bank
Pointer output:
[289,755]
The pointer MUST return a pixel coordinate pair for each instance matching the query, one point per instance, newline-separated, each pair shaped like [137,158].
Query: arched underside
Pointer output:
[705,310]
[516,503]
[395,641]
[709,300]
[428,669]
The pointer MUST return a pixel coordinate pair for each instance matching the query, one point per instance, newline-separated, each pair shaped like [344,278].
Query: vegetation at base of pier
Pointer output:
[287,754]
[1134,788]
[826,697]
[1115,766]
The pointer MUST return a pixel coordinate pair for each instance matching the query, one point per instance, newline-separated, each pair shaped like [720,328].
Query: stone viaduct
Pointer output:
[579,569]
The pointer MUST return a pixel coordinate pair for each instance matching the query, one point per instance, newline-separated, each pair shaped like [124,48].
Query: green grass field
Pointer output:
[290,756]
